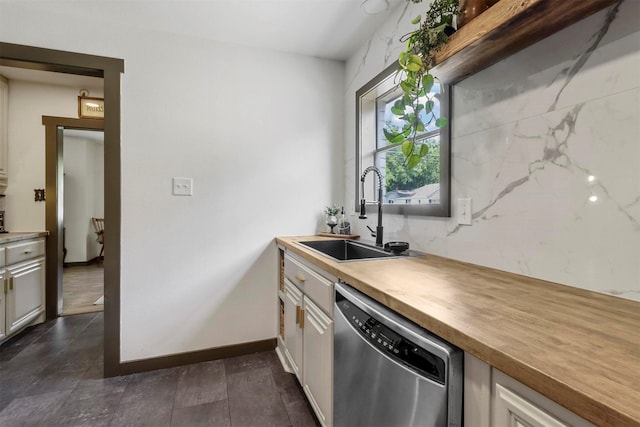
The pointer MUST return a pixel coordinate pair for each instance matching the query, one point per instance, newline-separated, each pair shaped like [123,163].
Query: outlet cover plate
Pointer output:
[182,186]
[464,211]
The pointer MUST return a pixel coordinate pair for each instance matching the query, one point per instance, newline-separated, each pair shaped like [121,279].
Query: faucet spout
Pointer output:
[363,202]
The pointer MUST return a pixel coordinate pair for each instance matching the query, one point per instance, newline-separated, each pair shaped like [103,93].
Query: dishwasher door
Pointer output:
[389,372]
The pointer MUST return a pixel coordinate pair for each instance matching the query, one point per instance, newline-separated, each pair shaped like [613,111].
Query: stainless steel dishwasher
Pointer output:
[388,371]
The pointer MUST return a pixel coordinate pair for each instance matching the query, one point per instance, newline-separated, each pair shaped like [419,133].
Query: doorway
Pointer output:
[83,214]
[110,69]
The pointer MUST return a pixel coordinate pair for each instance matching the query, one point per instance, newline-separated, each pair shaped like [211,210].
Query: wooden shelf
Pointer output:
[506,28]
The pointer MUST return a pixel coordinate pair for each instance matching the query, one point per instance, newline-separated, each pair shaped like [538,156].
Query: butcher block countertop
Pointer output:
[16,237]
[578,348]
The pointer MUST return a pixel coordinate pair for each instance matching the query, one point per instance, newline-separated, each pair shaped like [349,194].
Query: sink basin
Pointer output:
[349,250]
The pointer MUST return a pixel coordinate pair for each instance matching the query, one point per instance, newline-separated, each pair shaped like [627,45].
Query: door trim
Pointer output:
[54,221]
[110,69]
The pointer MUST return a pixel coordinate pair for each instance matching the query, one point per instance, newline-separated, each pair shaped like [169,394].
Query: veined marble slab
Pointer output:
[547,145]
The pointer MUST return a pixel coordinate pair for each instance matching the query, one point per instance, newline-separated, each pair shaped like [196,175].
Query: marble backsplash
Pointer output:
[546,143]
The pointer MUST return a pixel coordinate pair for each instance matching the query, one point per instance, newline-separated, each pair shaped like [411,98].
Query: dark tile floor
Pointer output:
[51,375]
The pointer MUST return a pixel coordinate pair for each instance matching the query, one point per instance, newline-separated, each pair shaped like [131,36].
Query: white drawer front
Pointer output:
[317,287]
[23,251]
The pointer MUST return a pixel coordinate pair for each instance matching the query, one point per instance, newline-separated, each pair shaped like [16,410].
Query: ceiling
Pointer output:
[332,29]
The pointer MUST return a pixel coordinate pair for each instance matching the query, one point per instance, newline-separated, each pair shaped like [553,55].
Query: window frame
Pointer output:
[381,83]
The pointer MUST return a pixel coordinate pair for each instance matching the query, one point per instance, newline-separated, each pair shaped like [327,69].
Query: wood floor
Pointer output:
[51,375]
[81,287]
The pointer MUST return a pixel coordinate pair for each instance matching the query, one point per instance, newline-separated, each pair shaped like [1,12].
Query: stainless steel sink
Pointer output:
[349,250]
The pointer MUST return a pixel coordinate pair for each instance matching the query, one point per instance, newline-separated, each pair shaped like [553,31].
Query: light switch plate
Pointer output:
[182,186]
[464,211]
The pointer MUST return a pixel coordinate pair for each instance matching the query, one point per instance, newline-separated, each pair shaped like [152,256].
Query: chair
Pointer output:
[98,225]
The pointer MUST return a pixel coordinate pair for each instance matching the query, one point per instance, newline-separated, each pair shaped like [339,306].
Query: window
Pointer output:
[422,190]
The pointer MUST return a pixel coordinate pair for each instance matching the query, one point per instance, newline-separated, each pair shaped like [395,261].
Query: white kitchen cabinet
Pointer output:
[516,405]
[23,283]
[25,296]
[305,344]
[3,305]
[477,392]
[318,360]
[494,399]
[292,330]
[4,133]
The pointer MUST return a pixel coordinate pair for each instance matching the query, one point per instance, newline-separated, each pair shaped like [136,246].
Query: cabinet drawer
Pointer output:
[24,250]
[2,257]
[317,287]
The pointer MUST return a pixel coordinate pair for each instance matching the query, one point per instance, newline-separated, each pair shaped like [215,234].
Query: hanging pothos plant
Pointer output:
[416,81]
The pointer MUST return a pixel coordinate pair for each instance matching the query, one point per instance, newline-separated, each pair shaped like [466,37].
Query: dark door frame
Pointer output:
[54,215]
[109,69]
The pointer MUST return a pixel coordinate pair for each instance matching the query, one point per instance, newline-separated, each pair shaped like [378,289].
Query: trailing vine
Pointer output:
[416,81]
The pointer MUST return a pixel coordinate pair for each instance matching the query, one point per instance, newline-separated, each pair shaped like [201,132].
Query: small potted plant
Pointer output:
[330,216]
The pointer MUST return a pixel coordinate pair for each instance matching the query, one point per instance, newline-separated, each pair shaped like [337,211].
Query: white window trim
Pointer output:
[366,129]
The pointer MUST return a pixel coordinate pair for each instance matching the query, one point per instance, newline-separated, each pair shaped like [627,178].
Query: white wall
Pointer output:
[527,134]
[28,102]
[83,193]
[261,134]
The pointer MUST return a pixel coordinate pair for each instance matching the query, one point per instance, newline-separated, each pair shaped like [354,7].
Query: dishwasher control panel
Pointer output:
[398,348]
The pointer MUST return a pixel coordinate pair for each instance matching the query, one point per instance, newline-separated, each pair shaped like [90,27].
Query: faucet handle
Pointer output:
[373,233]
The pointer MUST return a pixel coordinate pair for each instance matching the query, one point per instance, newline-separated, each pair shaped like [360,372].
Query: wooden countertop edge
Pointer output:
[581,402]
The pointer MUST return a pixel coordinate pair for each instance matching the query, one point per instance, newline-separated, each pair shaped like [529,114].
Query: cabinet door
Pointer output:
[3,303]
[292,327]
[516,405]
[4,106]
[318,361]
[25,297]
[512,410]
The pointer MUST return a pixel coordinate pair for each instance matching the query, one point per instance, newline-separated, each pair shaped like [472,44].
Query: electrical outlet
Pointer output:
[464,211]
[182,186]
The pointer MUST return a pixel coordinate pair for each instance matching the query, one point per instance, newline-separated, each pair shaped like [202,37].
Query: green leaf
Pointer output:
[427,82]
[412,66]
[441,122]
[415,59]
[419,126]
[407,148]
[412,161]
[406,87]
[416,19]
[392,136]
[424,150]
[397,111]
[402,58]
[429,106]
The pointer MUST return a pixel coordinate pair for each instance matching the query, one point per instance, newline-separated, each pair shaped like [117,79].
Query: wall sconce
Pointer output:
[39,195]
